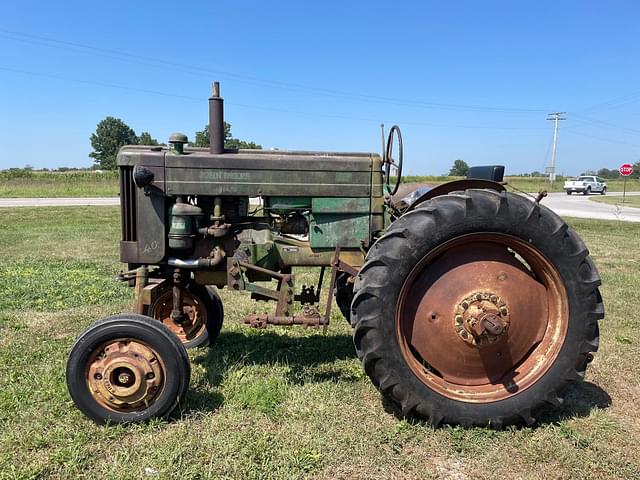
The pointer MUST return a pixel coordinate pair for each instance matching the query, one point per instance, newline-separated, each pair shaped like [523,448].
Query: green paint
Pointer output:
[339,205]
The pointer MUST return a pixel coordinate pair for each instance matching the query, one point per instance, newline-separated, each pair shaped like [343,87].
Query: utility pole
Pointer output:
[551,170]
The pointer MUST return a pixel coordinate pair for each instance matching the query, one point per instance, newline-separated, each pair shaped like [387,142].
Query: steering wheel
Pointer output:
[388,162]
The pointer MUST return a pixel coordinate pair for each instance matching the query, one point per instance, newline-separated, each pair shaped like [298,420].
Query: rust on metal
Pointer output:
[141,280]
[477,322]
[125,375]
[194,314]
[541,195]
[481,318]
[310,318]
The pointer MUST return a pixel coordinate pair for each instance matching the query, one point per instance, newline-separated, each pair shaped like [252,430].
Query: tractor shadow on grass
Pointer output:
[309,359]
[580,399]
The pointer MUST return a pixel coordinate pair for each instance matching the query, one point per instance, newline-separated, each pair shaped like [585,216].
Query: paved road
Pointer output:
[58,202]
[580,206]
[561,203]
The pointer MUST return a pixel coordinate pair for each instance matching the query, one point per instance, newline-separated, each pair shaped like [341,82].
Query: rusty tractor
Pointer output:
[468,304]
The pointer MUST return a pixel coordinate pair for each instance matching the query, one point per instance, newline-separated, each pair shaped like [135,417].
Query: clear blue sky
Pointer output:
[464,79]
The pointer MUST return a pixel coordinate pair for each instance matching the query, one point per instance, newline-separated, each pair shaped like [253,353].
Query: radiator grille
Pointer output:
[128,210]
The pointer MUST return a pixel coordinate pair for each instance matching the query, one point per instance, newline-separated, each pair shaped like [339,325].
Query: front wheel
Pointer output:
[126,369]
[344,294]
[203,311]
[604,191]
[477,308]
[568,192]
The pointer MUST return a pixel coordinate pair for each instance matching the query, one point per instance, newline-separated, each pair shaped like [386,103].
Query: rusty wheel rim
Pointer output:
[195,315]
[482,317]
[125,375]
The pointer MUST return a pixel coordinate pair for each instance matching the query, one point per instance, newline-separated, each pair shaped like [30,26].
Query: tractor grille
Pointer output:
[128,209]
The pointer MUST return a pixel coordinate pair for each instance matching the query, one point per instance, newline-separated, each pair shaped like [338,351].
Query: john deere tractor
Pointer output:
[469,304]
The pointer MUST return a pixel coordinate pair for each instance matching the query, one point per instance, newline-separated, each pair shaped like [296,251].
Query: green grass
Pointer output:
[629,201]
[58,184]
[282,402]
[105,184]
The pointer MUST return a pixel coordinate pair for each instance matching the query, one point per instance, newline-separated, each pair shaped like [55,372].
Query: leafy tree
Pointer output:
[111,134]
[636,170]
[536,173]
[146,139]
[202,139]
[459,168]
[606,173]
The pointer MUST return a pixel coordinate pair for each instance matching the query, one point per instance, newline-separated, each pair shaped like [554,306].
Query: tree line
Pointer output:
[460,168]
[112,133]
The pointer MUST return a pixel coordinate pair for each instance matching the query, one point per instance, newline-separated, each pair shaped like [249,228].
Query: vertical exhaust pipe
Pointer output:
[216,121]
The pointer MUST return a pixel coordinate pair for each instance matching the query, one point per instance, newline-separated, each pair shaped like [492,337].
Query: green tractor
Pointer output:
[469,304]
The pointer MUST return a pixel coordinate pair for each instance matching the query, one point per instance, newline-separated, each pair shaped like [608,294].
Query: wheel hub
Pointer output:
[481,319]
[125,375]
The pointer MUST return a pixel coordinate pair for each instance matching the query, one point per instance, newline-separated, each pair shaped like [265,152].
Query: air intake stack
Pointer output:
[216,121]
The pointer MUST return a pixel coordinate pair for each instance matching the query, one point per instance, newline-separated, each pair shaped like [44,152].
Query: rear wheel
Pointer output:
[127,368]
[203,311]
[587,191]
[477,309]
[568,192]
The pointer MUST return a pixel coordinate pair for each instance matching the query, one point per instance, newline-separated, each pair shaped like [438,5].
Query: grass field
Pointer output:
[105,184]
[629,201]
[54,184]
[279,403]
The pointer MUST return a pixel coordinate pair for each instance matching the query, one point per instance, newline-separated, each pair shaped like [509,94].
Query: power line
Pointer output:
[615,102]
[151,61]
[601,123]
[244,105]
[602,139]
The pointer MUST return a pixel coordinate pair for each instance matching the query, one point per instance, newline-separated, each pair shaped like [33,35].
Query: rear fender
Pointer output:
[456,185]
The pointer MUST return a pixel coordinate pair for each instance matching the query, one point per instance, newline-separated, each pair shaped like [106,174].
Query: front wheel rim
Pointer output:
[195,324]
[125,375]
[482,317]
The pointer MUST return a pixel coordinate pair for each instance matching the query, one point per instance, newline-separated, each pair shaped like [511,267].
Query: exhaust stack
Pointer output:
[216,121]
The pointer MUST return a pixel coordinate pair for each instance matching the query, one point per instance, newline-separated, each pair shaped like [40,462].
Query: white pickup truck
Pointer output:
[585,184]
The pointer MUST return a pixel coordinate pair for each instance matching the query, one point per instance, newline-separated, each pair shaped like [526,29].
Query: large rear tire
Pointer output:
[477,308]
[127,369]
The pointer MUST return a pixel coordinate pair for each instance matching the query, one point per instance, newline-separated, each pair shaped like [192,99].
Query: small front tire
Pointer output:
[127,368]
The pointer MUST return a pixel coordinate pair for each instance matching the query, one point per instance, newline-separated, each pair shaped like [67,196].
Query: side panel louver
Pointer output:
[128,204]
